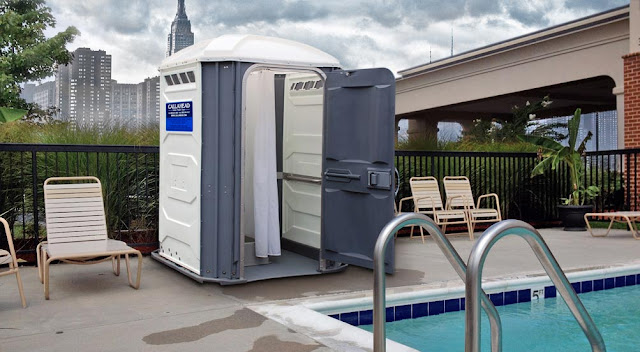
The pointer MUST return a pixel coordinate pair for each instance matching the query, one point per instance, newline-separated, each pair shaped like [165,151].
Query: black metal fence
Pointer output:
[522,197]
[616,173]
[129,177]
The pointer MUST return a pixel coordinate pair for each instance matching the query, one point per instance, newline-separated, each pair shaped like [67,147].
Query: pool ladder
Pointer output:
[474,296]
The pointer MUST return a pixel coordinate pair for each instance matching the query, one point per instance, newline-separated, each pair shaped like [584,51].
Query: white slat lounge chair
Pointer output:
[459,196]
[9,257]
[631,218]
[77,229]
[426,199]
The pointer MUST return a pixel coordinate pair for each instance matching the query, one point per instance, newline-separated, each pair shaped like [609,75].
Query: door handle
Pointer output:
[340,175]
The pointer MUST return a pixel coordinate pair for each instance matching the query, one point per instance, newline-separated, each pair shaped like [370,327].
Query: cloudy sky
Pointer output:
[361,33]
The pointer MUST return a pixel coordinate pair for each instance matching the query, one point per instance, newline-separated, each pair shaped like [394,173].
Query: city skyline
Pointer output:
[389,34]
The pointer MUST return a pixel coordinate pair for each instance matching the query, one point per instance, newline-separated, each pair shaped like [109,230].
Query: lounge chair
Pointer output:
[626,217]
[77,229]
[459,196]
[425,194]
[9,257]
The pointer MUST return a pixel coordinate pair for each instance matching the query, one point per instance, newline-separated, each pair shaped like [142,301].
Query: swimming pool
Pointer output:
[539,325]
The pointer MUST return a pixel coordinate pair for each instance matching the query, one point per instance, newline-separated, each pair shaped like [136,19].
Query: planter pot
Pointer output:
[572,216]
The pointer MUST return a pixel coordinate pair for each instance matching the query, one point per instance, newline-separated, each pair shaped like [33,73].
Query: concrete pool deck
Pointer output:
[92,310]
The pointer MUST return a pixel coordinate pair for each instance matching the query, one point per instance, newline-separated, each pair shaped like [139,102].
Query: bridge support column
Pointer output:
[422,129]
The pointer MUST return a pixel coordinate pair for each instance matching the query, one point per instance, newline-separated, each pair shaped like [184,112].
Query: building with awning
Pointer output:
[592,63]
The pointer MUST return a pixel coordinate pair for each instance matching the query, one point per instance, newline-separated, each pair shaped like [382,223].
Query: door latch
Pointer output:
[379,179]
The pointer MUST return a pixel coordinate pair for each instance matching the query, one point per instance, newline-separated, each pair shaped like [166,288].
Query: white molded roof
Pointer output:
[251,48]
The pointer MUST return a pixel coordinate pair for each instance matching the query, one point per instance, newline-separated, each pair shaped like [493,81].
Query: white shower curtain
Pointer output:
[265,178]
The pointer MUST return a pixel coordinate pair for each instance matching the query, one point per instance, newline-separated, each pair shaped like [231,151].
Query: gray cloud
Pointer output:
[417,13]
[483,7]
[360,33]
[120,16]
[529,13]
[596,5]
[231,13]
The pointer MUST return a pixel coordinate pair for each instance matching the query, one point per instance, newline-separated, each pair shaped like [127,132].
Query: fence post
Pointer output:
[34,179]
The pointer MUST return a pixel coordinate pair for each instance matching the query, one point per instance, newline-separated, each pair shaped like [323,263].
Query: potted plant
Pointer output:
[573,207]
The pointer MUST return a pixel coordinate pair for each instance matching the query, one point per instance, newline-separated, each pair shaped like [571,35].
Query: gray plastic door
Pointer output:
[358,154]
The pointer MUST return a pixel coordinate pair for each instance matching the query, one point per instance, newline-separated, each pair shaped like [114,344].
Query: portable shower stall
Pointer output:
[274,162]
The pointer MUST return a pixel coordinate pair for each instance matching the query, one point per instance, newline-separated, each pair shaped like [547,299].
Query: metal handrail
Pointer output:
[400,221]
[474,281]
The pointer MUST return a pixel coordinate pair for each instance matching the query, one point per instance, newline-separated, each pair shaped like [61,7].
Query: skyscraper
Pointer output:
[181,35]
[83,88]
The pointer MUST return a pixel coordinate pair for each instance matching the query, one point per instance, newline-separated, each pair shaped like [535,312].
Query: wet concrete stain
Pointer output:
[352,279]
[241,319]
[272,343]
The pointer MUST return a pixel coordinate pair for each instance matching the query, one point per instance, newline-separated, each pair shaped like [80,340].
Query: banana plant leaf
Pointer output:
[542,142]
[10,114]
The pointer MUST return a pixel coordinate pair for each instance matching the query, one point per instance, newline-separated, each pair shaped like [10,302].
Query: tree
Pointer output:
[25,53]
[501,130]
[571,155]
[520,121]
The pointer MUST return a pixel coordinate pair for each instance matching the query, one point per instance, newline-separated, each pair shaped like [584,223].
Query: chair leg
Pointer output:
[126,258]
[39,260]
[634,231]
[472,229]
[422,233]
[411,236]
[21,289]
[46,277]
[115,264]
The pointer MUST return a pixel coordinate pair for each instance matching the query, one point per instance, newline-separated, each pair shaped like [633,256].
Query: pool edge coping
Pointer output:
[310,316]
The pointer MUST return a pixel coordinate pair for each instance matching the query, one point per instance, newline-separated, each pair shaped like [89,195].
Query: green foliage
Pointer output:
[129,180]
[62,133]
[427,142]
[513,147]
[554,153]
[25,53]
[480,132]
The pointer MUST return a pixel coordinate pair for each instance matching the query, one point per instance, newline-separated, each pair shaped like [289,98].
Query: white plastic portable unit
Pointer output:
[229,105]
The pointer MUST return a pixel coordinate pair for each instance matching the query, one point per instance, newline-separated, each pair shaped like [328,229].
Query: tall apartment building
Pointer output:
[44,95]
[124,104]
[181,35]
[607,130]
[149,101]
[27,92]
[83,88]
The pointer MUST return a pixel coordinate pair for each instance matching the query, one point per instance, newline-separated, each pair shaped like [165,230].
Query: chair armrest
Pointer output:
[464,199]
[433,203]
[7,232]
[489,196]
[402,200]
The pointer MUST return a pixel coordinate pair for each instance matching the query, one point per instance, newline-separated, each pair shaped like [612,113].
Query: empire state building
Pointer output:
[181,35]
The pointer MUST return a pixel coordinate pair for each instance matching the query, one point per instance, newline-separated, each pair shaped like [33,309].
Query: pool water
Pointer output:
[545,325]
